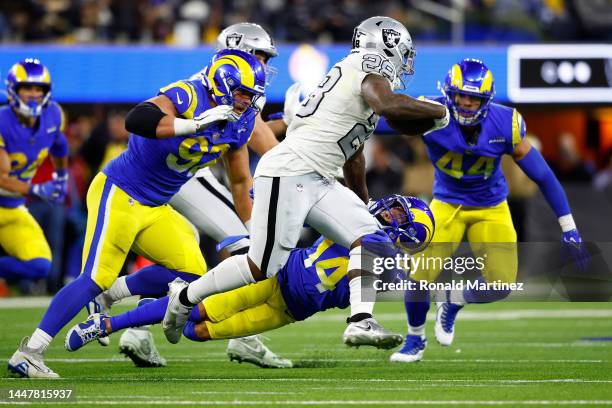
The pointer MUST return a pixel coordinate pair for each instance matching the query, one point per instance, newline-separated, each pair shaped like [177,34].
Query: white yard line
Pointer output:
[327,402]
[331,380]
[330,360]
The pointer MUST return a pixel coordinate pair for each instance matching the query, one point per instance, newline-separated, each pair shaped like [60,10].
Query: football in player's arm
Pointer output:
[327,132]
[31,128]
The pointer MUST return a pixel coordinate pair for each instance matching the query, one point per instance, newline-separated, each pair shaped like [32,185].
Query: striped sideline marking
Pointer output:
[333,380]
[329,360]
[43,301]
[331,402]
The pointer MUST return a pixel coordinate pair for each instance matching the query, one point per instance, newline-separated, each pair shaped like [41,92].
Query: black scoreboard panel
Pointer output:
[568,73]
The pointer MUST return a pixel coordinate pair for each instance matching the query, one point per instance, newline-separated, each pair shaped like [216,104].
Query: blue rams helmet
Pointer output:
[412,228]
[231,70]
[28,72]
[469,77]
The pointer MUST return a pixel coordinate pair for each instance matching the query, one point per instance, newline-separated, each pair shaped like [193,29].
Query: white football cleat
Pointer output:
[368,332]
[139,346]
[101,304]
[28,363]
[446,313]
[413,350]
[252,350]
[176,314]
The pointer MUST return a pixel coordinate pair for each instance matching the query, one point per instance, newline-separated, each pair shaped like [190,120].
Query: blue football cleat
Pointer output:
[81,334]
[446,314]
[101,304]
[413,350]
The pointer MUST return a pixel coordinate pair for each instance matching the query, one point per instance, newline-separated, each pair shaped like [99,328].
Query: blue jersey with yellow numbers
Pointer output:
[153,170]
[28,147]
[470,174]
[314,279]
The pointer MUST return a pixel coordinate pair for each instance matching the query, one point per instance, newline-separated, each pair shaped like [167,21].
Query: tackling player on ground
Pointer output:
[313,280]
[188,126]
[31,127]
[470,193]
[294,182]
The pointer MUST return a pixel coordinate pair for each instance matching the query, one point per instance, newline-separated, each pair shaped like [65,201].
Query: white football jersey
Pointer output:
[332,123]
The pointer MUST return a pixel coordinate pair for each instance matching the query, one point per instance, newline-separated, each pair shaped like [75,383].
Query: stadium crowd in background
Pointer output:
[95,137]
[189,22]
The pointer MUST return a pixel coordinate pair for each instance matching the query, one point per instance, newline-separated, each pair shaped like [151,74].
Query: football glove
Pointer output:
[51,191]
[216,114]
[575,247]
[438,123]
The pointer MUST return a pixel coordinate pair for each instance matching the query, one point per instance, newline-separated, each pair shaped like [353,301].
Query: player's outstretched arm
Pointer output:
[536,168]
[378,94]
[237,166]
[354,175]
[157,118]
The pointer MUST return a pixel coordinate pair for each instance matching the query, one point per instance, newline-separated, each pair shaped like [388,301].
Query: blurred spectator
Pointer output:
[603,178]
[569,166]
[385,173]
[107,141]
[594,18]
[189,22]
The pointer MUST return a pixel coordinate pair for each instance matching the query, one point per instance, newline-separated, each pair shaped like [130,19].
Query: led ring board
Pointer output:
[560,73]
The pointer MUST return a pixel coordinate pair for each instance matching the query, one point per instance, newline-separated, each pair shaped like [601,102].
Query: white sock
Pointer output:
[416,331]
[119,290]
[456,297]
[232,273]
[357,304]
[39,340]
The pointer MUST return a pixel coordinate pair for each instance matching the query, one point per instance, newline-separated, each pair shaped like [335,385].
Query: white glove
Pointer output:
[292,102]
[216,114]
[438,123]
[260,103]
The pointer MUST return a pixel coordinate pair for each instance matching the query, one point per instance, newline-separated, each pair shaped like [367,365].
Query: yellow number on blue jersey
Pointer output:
[483,165]
[340,264]
[455,160]
[189,160]
[20,160]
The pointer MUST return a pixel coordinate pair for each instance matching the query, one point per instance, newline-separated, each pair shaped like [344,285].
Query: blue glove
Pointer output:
[578,251]
[48,191]
[60,178]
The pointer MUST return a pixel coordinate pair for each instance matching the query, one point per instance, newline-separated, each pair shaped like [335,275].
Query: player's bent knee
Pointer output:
[37,268]
[192,331]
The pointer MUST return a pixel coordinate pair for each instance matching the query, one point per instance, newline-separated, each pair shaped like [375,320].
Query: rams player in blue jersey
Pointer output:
[187,126]
[470,198]
[312,280]
[31,128]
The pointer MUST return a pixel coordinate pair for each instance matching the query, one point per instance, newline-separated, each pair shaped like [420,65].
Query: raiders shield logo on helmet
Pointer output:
[233,40]
[390,37]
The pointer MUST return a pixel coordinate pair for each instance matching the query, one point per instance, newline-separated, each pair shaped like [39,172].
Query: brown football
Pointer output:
[411,127]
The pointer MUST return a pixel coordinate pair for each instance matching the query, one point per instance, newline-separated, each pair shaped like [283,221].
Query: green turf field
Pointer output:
[505,354]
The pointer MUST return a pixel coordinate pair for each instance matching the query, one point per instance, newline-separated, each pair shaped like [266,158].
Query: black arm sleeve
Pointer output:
[143,119]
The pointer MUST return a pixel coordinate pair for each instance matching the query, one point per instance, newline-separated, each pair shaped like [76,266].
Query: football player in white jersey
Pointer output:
[294,182]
